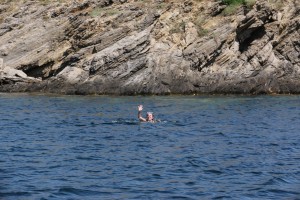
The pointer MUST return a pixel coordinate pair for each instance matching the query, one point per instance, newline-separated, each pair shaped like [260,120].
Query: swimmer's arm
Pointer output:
[140,117]
[140,108]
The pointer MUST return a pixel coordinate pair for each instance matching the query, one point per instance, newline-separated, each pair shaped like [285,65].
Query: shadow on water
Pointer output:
[121,121]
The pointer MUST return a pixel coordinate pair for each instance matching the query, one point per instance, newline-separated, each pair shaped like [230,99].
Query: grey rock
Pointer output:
[10,75]
[73,75]
[1,64]
[157,47]
[215,8]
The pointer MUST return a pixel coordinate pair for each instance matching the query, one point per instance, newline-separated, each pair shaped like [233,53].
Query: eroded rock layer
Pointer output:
[149,47]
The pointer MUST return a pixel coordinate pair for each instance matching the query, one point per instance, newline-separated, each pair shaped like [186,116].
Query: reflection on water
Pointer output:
[71,147]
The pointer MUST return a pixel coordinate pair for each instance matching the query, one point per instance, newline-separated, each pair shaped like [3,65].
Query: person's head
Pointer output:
[150,116]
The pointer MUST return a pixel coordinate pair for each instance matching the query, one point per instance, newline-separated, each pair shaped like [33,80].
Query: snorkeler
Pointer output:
[149,118]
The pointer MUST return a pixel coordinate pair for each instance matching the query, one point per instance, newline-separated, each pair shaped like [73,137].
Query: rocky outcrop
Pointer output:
[149,47]
[11,76]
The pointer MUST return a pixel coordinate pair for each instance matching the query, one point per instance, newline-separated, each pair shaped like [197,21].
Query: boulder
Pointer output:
[73,75]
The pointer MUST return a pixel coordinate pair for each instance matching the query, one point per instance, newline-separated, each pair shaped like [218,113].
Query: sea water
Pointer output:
[94,147]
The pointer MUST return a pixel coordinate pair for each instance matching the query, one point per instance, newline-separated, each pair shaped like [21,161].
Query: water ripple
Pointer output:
[71,147]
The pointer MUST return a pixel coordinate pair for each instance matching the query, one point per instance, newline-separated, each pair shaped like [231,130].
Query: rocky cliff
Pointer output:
[149,46]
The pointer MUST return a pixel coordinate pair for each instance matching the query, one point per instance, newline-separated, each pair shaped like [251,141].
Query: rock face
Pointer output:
[149,47]
[11,76]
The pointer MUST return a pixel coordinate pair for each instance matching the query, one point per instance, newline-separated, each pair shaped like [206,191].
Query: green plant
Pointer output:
[45,17]
[98,11]
[178,28]
[202,31]
[278,4]
[230,10]
[45,2]
[233,5]
[250,3]
[199,22]
[161,5]
[111,12]
[4,1]
[234,2]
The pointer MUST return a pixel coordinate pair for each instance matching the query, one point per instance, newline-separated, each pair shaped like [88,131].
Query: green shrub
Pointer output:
[232,5]
[178,28]
[234,2]
[278,4]
[47,2]
[98,11]
[111,12]
[161,6]
[199,23]
[44,2]
[250,3]
[231,9]
[202,31]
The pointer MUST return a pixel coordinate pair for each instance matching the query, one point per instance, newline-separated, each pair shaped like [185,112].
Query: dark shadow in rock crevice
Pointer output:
[254,35]
[37,71]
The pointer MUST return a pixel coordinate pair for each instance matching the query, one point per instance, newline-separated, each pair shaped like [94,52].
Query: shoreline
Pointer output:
[145,95]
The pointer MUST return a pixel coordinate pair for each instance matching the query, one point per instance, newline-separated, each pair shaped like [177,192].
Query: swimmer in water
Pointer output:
[149,118]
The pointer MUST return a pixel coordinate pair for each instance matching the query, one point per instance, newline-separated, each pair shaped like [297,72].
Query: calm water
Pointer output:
[72,147]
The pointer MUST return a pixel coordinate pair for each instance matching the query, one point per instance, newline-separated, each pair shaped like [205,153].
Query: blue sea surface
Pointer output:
[93,147]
